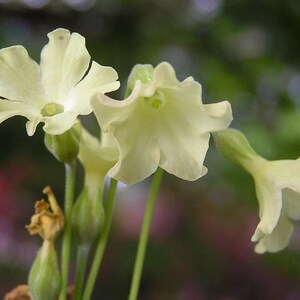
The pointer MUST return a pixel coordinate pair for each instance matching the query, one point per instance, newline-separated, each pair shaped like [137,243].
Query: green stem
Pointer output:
[102,242]
[66,244]
[81,261]
[139,261]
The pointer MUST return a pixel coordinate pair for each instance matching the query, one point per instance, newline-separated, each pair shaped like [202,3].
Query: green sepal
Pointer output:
[65,147]
[44,277]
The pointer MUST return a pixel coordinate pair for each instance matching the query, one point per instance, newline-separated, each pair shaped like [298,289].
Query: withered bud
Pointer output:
[21,292]
[45,222]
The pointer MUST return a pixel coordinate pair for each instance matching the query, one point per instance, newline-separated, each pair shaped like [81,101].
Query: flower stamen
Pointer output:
[51,109]
[157,101]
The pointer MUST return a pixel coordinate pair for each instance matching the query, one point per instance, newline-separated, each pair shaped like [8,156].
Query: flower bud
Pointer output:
[87,218]
[144,73]
[65,147]
[44,277]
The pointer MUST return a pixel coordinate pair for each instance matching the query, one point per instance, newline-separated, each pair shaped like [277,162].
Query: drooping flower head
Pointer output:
[56,91]
[277,185]
[162,123]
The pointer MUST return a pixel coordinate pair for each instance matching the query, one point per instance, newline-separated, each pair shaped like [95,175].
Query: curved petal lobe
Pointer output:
[99,79]
[20,77]
[278,239]
[60,123]
[64,61]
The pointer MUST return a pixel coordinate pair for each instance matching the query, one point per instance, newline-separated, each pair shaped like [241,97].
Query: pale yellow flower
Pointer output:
[277,185]
[162,123]
[56,91]
[278,191]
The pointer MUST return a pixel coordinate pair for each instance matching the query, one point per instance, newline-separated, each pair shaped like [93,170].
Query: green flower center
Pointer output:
[157,101]
[51,109]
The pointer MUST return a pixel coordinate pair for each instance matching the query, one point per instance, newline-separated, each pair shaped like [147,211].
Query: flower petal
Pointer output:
[99,79]
[165,76]
[218,116]
[291,204]
[93,156]
[9,108]
[286,173]
[132,166]
[183,152]
[111,112]
[184,131]
[169,130]
[20,77]
[96,160]
[186,104]
[59,123]
[31,126]
[270,204]
[138,151]
[278,239]
[134,144]
[64,61]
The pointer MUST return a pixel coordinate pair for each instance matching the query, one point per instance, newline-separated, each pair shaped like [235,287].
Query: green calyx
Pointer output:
[234,146]
[44,277]
[65,147]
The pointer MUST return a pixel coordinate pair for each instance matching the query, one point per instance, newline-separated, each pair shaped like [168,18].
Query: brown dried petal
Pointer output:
[44,222]
[21,292]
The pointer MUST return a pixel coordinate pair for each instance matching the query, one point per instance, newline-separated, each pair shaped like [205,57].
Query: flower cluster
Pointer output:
[162,123]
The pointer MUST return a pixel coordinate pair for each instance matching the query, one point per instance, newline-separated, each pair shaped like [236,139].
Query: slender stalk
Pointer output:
[140,257]
[66,244]
[81,261]
[102,242]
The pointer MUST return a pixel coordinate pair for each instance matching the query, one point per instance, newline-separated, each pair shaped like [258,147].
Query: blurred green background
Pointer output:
[246,52]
